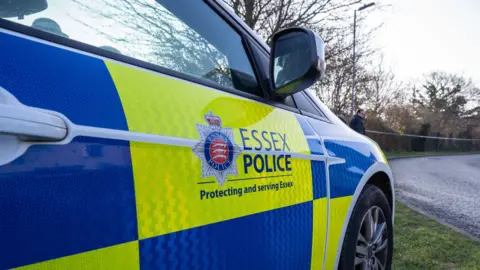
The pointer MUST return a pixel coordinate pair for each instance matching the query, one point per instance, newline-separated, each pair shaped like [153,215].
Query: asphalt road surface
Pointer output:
[447,188]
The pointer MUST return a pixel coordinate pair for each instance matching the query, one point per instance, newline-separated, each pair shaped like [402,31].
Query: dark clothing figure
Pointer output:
[357,124]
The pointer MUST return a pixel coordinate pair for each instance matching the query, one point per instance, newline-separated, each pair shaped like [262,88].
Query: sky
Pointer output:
[420,36]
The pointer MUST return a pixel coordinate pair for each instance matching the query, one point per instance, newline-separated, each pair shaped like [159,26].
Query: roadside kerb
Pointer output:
[432,155]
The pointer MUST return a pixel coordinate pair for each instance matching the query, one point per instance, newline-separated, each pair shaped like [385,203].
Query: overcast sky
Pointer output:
[424,35]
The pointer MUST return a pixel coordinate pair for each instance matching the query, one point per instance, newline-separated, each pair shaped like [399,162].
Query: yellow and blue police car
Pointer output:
[166,134]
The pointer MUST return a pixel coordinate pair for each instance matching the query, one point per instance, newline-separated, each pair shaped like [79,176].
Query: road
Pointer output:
[447,188]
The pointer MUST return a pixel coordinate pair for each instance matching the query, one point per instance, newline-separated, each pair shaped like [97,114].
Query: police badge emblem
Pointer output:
[216,149]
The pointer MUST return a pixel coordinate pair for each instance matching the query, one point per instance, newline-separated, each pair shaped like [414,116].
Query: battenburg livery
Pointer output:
[178,141]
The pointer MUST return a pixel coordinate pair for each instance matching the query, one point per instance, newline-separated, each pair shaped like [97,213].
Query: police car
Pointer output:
[166,134]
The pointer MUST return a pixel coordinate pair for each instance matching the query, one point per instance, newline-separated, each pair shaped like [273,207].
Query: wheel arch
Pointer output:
[381,180]
[380,175]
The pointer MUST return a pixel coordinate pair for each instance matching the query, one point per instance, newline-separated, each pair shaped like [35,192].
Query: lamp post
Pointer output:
[354,39]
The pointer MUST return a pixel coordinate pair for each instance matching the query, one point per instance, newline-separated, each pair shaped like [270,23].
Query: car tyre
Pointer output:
[368,242]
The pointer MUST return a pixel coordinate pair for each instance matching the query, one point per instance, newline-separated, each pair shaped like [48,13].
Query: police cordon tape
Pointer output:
[420,136]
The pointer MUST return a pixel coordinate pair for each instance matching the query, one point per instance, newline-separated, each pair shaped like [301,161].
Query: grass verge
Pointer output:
[413,154]
[422,243]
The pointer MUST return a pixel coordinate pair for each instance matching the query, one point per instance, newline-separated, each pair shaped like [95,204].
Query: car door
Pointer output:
[140,135]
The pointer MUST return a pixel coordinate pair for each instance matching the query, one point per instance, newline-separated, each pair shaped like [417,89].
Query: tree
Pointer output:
[269,16]
[333,21]
[400,118]
[335,88]
[443,101]
[382,89]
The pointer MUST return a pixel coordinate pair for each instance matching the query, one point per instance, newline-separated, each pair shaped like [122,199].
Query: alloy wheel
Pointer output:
[372,241]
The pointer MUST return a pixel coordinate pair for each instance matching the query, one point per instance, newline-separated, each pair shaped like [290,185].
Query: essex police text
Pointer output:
[267,141]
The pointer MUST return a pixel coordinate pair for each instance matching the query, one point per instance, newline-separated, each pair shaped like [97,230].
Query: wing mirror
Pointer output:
[297,60]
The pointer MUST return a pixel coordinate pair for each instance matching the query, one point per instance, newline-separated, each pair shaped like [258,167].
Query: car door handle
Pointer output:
[30,124]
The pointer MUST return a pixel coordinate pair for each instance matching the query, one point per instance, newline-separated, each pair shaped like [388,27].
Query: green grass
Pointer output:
[422,243]
[403,154]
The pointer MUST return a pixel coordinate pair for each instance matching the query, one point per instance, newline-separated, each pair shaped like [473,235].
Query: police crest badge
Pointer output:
[216,149]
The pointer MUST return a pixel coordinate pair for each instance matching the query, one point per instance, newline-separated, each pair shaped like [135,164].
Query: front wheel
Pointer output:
[368,242]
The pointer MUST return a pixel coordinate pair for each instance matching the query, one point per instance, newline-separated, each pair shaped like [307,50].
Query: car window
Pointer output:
[305,104]
[194,41]
[315,100]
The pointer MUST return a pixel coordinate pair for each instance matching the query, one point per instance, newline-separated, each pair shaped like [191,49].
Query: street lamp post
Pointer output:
[354,70]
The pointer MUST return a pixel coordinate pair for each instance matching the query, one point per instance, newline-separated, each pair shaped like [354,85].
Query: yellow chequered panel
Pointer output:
[165,106]
[169,192]
[319,232]
[338,212]
[123,256]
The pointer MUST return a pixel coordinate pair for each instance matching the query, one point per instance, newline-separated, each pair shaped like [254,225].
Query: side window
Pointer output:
[182,35]
[304,104]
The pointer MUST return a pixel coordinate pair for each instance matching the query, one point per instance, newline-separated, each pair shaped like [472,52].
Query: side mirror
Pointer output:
[297,60]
